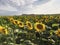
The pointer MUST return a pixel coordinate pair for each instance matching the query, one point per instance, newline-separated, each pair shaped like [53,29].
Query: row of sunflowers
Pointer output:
[30,30]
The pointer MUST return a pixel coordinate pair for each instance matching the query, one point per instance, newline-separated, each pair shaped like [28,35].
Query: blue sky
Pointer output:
[16,7]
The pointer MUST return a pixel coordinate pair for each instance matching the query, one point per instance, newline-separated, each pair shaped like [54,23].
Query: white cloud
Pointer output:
[31,6]
[51,7]
[8,8]
[23,2]
[14,4]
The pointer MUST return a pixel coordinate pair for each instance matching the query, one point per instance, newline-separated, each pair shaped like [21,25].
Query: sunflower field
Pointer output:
[30,30]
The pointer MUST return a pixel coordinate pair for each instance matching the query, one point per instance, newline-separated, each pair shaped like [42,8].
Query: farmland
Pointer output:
[30,30]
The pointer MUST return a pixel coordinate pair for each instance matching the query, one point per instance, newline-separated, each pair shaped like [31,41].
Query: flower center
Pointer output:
[29,24]
[3,30]
[39,26]
[15,21]
[20,23]
[59,32]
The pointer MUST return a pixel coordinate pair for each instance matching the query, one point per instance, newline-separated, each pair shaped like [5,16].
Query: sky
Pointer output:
[17,7]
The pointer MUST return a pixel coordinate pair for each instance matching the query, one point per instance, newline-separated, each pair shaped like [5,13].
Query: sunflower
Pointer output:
[57,32]
[45,17]
[51,17]
[6,31]
[47,20]
[11,19]
[15,21]
[3,30]
[29,25]
[21,24]
[39,27]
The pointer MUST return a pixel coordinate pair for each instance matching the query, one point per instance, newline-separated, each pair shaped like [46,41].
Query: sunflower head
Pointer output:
[39,27]
[1,27]
[11,19]
[6,31]
[15,21]
[29,25]
[21,24]
[3,30]
[51,17]
[57,32]
[47,20]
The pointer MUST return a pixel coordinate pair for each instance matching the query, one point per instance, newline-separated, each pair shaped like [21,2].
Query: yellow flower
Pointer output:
[21,24]
[57,32]
[15,21]
[6,31]
[51,17]
[47,20]
[39,27]
[3,30]
[11,19]
[45,17]
[29,25]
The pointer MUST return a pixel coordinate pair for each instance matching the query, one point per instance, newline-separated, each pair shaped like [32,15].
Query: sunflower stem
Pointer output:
[13,37]
[40,38]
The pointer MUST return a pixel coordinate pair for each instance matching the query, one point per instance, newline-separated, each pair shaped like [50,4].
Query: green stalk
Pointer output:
[13,37]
